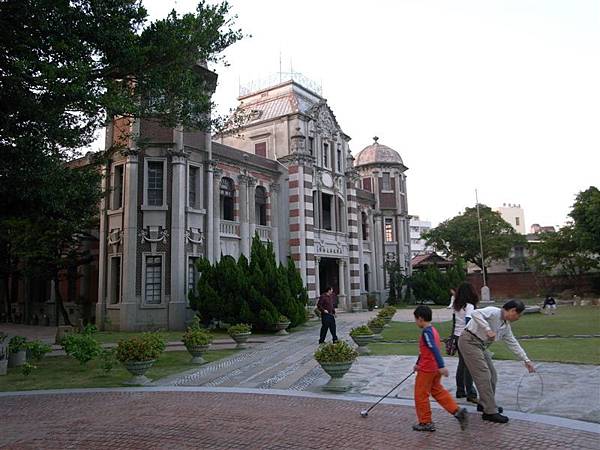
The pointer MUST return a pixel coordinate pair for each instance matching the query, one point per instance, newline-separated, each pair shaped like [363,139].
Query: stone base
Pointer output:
[281,333]
[337,385]
[364,350]
[198,360]
[140,380]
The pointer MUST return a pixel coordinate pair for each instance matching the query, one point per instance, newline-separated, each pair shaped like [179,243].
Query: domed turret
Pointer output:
[376,154]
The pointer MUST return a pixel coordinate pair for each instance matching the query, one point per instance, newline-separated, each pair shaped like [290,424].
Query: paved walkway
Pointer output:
[132,419]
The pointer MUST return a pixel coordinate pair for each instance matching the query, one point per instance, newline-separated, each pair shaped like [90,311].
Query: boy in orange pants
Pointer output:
[430,368]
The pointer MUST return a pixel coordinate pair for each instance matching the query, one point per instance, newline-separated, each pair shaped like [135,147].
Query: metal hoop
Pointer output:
[539,399]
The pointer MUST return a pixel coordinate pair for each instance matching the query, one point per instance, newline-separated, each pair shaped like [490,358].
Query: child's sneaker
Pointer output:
[463,419]
[424,427]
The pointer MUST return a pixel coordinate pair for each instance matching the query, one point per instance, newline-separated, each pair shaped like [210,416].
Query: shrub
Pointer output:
[3,346]
[239,328]
[283,319]
[16,344]
[81,346]
[146,347]
[107,359]
[194,337]
[376,322]
[37,349]
[27,368]
[363,330]
[335,352]
[387,311]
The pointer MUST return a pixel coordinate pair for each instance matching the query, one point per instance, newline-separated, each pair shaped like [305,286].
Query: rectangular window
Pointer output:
[339,159]
[386,184]
[192,273]
[389,230]
[194,187]
[260,149]
[155,183]
[153,280]
[311,145]
[327,210]
[117,197]
[367,184]
[516,221]
[325,155]
[115,279]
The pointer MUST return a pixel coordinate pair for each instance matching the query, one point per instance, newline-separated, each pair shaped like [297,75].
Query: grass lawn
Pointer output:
[60,372]
[567,350]
[568,321]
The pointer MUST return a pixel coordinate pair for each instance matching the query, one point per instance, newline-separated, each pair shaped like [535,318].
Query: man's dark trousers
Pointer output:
[327,323]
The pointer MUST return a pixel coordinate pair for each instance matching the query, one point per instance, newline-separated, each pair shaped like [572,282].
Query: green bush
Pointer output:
[16,344]
[387,311]
[433,284]
[196,336]
[146,347]
[363,330]
[108,359]
[283,319]
[81,346]
[239,328]
[335,352]
[376,322]
[37,349]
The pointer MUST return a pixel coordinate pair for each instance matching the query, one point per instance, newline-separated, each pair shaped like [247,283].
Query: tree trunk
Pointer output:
[59,304]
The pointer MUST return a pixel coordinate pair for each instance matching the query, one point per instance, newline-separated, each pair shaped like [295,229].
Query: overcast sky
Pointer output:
[502,96]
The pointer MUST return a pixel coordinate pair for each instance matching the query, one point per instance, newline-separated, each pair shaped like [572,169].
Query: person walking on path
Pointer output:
[486,326]
[430,368]
[464,304]
[326,307]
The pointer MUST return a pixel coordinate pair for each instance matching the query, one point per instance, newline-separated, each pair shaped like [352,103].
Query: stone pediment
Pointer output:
[325,120]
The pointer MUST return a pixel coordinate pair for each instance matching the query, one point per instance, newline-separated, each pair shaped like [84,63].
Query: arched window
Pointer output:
[366,274]
[260,205]
[365,226]
[227,189]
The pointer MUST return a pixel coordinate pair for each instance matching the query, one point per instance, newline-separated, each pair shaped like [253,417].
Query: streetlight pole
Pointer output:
[485,290]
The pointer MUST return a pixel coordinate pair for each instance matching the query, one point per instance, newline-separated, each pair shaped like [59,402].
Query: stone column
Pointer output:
[129,303]
[102,261]
[317,276]
[379,255]
[210,225]
[177,303]
[252,208]
[217,173]
[274,191]
[244,226]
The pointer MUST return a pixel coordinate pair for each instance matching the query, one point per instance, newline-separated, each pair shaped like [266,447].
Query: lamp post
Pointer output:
[485,290]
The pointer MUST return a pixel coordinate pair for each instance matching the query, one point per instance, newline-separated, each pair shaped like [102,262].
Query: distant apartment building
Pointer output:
[514,215]
[418,245]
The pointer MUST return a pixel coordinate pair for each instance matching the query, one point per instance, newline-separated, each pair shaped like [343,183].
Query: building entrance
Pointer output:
[328,274]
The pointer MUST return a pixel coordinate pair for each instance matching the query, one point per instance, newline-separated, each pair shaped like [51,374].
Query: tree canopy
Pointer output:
[459,237]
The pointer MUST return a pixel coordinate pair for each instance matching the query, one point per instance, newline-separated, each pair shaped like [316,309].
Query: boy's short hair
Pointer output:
[517,304]
[423,312]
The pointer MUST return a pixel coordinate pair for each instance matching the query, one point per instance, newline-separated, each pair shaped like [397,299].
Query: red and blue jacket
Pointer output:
[430,358]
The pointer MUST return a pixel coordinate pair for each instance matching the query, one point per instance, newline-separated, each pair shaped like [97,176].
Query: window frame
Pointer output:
[145,204]
[199,204]
[388,221]
[110,291]
[145,256]
[266,155]
[261,208]
[222,202]
[113,178]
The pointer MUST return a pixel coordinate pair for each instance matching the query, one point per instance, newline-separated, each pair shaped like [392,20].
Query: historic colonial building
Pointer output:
[284,172]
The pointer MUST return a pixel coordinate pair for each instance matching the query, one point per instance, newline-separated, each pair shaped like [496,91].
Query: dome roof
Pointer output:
[377,153]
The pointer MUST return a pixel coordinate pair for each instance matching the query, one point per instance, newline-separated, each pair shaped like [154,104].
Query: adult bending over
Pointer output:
[486,326]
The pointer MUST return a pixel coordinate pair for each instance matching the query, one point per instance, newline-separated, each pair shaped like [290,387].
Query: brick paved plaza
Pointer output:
[234,421]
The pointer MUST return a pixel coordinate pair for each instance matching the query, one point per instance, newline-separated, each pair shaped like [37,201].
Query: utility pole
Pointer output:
[485,290]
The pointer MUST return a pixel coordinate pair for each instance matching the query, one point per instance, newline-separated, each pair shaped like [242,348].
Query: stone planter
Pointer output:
[241,339]
[196,351]
[376,333]
[17,359]
[336,371]
[3,366]
[387,320]
[280,327]
[138,369]
[362,340]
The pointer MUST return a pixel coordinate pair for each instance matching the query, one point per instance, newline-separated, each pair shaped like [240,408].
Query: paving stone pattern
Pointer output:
[173,420]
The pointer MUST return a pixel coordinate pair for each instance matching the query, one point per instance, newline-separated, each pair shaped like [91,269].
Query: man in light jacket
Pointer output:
[486,326]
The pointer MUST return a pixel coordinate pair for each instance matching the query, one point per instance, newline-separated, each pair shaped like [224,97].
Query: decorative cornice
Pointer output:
[161,235]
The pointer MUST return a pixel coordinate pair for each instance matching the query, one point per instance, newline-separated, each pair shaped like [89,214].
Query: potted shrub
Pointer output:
[376,325]
[3,353]
[138,354]
[336,358]
[282,323]
[36,350]
[197,340]
[371,302]
[16,351]
[362,336]
[386,314]
[240,333]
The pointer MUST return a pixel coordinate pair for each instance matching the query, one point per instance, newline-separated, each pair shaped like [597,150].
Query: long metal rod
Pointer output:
[480,238]
[392,390]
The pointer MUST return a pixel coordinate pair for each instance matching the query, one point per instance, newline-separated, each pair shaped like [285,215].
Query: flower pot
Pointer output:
[387,320]
[362,340]
[241,339]
[3,366]
[280,327]
[196,351]
[376,330]
[17,359]
[336,371]
[138,369]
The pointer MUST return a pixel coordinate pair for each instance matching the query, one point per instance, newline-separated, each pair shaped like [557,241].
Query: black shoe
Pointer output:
[498,418]
[424,427]
[480,409]
[460,395]
[321,342]
[463,419]
[472,398]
